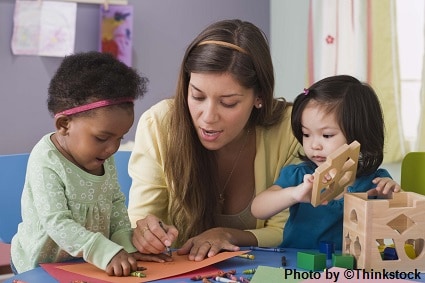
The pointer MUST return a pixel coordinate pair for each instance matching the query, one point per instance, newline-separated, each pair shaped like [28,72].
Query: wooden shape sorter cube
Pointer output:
[341,165]
[370,223]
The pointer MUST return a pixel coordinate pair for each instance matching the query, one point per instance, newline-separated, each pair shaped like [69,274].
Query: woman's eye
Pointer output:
[198,98]
[101,139]
[327,136]
[305,135]
[229,105]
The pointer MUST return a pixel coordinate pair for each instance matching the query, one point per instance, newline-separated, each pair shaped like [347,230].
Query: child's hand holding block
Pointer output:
[341,165]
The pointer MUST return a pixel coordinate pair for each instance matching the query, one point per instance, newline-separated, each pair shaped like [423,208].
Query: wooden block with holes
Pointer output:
[341,165]
[370,225]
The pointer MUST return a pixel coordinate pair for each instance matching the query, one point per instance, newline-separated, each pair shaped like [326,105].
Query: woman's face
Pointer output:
[220,108]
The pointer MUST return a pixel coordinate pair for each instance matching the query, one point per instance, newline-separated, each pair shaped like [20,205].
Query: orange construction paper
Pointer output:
[155,270]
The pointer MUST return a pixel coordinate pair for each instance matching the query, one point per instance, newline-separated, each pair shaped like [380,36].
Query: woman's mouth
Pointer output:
[210,135]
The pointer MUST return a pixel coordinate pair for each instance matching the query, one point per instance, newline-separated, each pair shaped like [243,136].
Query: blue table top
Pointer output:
[262,258]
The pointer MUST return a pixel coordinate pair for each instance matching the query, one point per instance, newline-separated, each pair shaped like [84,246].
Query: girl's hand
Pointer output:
[150,238]
[303,192]
[208,244]
[122,264]
[384,187]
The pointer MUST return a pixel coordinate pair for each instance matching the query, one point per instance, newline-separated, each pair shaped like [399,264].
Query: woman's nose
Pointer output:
[210,114]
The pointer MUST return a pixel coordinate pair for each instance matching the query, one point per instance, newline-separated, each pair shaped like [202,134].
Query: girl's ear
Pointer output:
[62,124]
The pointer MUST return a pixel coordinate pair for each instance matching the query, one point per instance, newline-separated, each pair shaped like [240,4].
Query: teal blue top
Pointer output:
[307,225]
[68,213]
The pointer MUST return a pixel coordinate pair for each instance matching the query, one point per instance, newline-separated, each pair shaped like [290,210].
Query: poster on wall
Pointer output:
[116,24]
[44,28]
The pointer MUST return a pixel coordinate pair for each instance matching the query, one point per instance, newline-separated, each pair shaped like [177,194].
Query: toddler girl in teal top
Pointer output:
[72,206]
[332,112]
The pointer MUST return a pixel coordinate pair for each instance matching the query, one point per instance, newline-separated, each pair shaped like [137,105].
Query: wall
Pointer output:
[162,30]
[288,40]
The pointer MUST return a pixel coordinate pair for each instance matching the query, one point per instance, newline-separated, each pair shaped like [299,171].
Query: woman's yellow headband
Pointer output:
[224,43]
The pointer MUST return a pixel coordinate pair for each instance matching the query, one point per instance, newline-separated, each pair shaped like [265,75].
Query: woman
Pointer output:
[200,158]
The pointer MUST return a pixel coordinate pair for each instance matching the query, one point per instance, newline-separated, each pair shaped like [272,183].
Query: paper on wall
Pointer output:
[44,28]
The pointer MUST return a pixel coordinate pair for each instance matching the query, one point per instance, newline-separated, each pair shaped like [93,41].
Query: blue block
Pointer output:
[327,248]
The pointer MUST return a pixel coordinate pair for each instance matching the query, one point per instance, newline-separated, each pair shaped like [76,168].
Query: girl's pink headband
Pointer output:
[94,105]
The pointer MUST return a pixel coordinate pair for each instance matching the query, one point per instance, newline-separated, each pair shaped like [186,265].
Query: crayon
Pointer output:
[168,247]
[283,260]
[279,250]
[18,281]
[248,256]
[230,276]
[249,271]
[137,274]
[220,273]
[207,276]
[243,280]
[226,280]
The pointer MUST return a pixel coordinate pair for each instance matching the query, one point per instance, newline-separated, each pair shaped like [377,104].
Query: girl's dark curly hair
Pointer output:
[87,77]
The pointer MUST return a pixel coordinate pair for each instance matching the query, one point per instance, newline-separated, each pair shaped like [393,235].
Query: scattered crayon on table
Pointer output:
[137,274]
[220,273]
[283,260]
[249,271]
[244,280]
[230,276]
[248,256]
[279,250]
[226,280]
[18,281]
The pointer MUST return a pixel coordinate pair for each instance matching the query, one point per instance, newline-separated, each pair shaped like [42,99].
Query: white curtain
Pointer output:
[420,141]
[358,38]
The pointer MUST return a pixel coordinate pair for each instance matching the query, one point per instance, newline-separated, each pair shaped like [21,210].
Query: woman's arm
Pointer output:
[149,195]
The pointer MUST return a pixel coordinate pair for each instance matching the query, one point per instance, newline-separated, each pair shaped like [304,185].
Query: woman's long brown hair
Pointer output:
[190,168]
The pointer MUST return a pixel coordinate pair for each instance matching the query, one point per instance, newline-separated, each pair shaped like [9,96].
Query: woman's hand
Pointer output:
[150,238]
[151,257]
[209,243]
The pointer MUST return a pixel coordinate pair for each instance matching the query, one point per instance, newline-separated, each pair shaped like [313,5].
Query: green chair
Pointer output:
[413,172]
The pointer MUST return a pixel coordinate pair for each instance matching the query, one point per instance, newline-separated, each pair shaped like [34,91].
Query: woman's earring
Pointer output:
[260,105]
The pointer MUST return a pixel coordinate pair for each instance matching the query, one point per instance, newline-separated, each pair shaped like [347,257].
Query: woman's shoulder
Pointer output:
[283,124]
[160,109]
[281,132]
[158,113]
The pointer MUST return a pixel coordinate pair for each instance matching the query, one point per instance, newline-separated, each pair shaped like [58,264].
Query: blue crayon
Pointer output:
[279,250]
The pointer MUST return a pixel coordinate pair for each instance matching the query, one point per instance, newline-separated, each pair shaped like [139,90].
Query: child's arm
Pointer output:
[275,199]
